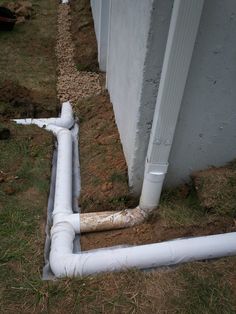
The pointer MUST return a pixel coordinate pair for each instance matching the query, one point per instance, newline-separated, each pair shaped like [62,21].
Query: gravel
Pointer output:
[71,84]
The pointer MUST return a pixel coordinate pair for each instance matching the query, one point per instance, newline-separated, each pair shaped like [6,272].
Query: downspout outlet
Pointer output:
[154,176]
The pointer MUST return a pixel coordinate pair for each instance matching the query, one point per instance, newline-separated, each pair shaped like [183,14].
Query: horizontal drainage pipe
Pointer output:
[66,224]
[66,119]
[66,264]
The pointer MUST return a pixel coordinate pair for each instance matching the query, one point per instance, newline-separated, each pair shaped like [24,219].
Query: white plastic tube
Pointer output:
[66,119]
[66,264]
[62,210]
[66,224]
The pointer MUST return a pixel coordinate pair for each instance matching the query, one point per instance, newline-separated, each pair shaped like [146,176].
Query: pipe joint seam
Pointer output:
[72,219]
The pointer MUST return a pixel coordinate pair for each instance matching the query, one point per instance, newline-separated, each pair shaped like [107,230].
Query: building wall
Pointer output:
[206,131]
[100,11]
[96,11]
[206,128]
[128,34]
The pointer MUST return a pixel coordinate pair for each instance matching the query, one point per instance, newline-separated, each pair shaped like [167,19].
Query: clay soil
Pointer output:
[17,101]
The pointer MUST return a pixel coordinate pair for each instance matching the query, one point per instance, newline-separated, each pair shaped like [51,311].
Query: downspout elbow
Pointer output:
[67,117]
[63,262]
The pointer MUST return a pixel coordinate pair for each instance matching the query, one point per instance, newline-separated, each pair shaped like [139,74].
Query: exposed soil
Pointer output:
[83,35]
[182,215]
[154,231]
[23,10]
[216,189]
[27,62]
[103,167]
[104,187]
[19,102]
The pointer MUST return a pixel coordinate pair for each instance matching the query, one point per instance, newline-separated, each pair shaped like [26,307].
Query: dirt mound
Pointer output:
[22,9]
[17,101]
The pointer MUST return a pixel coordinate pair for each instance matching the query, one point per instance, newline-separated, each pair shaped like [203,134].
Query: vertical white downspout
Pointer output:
[180,43]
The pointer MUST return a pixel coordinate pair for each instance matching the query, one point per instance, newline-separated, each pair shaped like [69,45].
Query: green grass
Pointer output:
[181,211]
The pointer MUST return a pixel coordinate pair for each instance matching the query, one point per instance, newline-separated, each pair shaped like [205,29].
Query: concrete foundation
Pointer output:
[100,11]
[206,129]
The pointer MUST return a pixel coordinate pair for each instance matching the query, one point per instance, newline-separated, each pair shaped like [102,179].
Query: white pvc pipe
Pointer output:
[66,264]
[66,119]
[66,224]
[62,210]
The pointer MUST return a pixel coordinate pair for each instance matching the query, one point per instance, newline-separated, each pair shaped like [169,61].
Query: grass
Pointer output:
[26,54]
[205,291]
[181,211]
[217,189]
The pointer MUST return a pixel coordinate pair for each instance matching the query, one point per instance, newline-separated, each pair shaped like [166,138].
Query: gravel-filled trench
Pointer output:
[71,84]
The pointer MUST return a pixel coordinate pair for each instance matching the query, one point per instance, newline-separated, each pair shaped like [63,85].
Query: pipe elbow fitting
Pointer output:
[62,236]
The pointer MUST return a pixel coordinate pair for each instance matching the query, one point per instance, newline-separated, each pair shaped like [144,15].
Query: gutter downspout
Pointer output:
[180,44]
[179,48]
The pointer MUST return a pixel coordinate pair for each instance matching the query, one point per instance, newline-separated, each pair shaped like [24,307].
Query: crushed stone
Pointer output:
[72,84]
